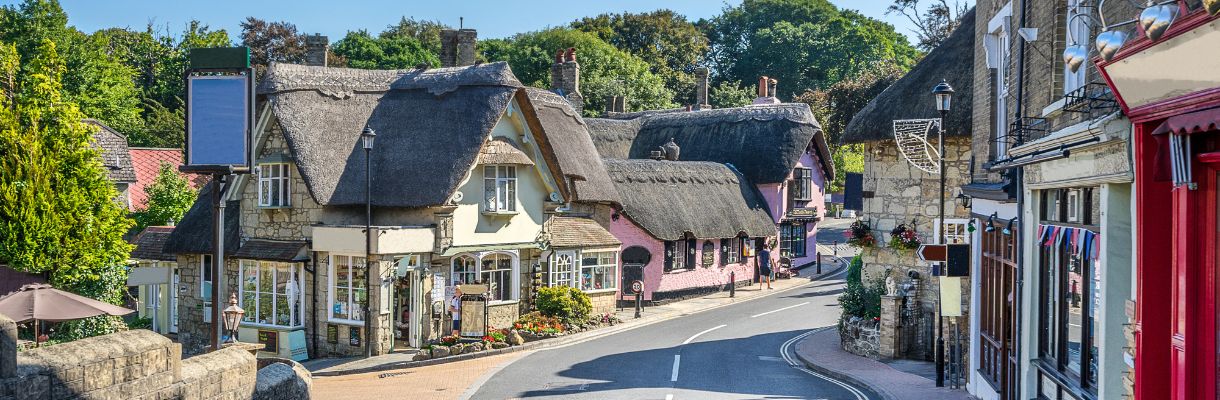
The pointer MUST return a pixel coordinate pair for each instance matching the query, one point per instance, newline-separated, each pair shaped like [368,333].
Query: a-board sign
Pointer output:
[474,316]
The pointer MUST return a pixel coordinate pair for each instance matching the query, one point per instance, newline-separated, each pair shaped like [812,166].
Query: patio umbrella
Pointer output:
[41,302]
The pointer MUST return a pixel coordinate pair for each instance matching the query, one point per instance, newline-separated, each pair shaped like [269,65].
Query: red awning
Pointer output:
[1195,122]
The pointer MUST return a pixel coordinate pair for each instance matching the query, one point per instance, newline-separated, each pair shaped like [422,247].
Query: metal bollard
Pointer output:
[836,248]
[638,303]
[732,284]
[819,261]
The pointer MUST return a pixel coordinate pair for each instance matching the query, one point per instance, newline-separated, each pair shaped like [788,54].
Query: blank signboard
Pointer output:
[219,117]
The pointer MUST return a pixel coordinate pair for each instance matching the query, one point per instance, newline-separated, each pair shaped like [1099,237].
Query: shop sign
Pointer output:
[354,335]
[270,340]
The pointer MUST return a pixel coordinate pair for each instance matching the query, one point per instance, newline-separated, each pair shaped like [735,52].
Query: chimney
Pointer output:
[766,91]
[701,89]
[671,150]
[762,86]
[616,104]
[772,89]
[316,47]
[565,78]
[458,47]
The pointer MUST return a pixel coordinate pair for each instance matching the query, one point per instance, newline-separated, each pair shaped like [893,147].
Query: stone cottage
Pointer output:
[899,191]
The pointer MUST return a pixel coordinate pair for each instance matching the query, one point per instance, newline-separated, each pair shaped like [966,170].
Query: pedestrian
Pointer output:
[455,309]
[764,264]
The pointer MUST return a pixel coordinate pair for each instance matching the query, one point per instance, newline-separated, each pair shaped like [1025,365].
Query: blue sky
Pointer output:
[492,18]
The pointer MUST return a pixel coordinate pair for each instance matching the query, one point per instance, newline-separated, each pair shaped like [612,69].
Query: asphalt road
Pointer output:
[740,351]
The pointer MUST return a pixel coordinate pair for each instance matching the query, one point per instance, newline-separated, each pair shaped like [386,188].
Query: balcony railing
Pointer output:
[1093,96]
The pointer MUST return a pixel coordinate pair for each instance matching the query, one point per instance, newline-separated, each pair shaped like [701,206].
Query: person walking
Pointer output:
[455,309]
[764,265]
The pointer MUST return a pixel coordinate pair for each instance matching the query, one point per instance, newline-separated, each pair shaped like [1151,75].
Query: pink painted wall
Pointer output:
[776,195]
[655,277]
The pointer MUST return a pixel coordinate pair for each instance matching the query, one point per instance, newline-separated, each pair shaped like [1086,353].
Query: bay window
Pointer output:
[273,184]
[271,293]
[500,188]
[463,271]
[348,289]
[598,270]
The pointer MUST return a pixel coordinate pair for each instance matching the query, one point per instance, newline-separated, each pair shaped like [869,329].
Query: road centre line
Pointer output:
[775,311]
[674,376]
[689,339]
[669,396]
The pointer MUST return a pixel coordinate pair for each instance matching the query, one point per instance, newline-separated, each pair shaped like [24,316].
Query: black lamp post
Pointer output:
[944,101]
[366,139]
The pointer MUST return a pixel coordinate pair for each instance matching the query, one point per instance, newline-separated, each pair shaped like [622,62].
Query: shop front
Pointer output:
[1171,92]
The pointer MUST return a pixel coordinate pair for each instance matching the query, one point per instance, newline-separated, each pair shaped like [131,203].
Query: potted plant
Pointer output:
[904,238]
[860,234]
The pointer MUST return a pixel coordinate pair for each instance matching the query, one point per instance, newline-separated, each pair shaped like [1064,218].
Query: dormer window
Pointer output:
[500,189]
[273,185]
[802,184]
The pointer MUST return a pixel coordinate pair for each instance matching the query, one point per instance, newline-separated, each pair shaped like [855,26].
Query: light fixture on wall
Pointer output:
[990,227]
[963,199]
[1008,229]
[1155,18]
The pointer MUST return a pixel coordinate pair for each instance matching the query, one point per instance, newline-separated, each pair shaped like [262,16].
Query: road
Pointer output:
[740,351]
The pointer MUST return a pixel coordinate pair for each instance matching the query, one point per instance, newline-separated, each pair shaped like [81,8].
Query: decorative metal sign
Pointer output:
[911,135]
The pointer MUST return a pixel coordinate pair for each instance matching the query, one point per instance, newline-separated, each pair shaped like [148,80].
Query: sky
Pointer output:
[492,18]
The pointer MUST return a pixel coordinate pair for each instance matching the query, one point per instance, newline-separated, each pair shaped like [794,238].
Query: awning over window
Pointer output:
[1171,163]
[1195,122]
[272,250]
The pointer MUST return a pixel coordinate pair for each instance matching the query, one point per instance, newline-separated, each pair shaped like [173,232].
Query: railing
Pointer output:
[1026,129]
[1093,96]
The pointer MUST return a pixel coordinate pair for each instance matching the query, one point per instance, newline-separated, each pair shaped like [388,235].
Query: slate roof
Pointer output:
[431,125]
[194,234]
[150,244]
[147,163]
[272,250]
[764,142]
[911,96]
[564,130]
[709,200]
[115,154]
[567,232]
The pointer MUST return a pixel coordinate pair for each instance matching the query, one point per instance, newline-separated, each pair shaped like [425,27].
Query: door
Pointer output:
[415,296]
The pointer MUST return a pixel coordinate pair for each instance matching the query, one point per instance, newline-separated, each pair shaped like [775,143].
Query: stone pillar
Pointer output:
[458,47]
[701,88]
[891,329]
[8,347]
[316,47]
[382,336]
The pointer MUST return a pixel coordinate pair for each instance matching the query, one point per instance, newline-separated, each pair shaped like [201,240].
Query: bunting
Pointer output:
[1081,242]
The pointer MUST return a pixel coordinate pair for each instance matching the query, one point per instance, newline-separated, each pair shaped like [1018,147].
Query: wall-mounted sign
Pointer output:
[332,334]
[353,336]
[270,340]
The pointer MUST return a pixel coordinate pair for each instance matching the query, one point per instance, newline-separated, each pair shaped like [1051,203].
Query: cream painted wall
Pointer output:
[471,227]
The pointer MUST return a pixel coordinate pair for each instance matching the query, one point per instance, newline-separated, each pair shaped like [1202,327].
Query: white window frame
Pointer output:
[679,255]
[486,274]
[500,180]
[602,264]
[292,291]
[351,297]
[205,286]
[565,277]
[998,44]
[514,274]
[958,234]
[274,178]
[1075,206]
[473,270]
[1078,29]
[734,252]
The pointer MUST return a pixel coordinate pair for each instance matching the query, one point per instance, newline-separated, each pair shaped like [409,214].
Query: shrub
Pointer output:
[862,301]
[569,304]
[854,270]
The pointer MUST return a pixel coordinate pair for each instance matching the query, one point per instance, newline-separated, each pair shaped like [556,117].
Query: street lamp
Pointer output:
[366,140]
[944,101]
[232,317]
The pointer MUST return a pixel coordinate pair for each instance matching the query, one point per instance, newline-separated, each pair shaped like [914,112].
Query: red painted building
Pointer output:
[1170,89]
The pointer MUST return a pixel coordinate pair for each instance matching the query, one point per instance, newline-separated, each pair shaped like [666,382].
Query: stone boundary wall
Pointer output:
[861,337]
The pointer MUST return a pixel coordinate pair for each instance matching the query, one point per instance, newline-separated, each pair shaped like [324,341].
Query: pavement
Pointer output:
[822,353]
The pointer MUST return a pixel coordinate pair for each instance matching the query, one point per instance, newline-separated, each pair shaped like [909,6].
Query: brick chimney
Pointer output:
[316,47]
[766,91]
[701,89]
[565,78]
[458,47]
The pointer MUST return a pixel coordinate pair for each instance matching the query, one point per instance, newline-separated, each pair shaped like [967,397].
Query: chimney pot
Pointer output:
[565,78]
[772,90]
[762,87]
[571,56]
[559,56]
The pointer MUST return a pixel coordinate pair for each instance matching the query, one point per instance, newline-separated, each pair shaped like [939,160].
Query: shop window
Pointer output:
[348,289]
[500,189]
[562,269]
[271,293]
[598,270]
[496,270]
[792,239]
[273,185]
[1069,282]
[463,271]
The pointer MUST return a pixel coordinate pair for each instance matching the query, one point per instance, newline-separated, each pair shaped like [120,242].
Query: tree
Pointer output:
[397,52]
[272,42]
[604,69]
[804,44]
[671,45]
[730,94]
[169,197]
[58,213]
[935,23]
[427,33]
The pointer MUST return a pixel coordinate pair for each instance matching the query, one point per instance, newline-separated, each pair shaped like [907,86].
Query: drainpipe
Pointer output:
[1020,189]
[313,344]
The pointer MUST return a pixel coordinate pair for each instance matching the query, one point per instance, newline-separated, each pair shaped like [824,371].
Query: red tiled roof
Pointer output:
[147,162]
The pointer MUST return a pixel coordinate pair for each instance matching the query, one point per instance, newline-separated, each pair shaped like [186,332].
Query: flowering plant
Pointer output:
[537,323]
[860,234]
[904,238]
[449,340]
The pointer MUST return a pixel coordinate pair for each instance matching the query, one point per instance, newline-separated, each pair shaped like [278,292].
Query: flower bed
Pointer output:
[529,328]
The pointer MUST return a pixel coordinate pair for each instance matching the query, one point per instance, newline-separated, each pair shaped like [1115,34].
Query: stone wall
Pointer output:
[860,336]
[604,302]
[286,223]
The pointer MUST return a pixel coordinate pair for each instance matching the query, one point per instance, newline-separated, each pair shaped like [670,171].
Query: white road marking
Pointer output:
[689,339]
[775,311]
[669,396]
[783,350]
[673,377]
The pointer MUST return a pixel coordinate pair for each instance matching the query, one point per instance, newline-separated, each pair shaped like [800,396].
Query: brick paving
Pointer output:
[821,352]
[438,382]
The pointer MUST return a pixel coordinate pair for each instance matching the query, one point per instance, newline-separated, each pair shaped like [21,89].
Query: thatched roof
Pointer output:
[116,156]
[503,151]
[569,232]
[565,132]
[194,234]
[764,142]
[150,244]
[911,96]
[430,124]
[709,200]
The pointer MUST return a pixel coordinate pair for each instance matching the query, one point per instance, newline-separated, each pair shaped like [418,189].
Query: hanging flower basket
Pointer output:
[904,238]
[860,234]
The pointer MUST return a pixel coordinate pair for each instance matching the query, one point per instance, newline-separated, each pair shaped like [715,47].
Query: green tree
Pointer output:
[805,44]
[730,94]
[58,212]
[671,45]
[604,69]
[396,52]
[427,33]
[169,197]
[272,42]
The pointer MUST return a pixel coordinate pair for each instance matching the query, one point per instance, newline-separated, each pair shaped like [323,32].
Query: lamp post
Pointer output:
[366,139]
[232,318]
[944,101]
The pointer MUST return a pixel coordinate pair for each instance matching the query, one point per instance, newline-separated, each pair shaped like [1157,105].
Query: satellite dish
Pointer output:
[555,196]
[911,135]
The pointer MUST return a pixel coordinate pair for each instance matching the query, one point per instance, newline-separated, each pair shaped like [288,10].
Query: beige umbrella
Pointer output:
[41,302]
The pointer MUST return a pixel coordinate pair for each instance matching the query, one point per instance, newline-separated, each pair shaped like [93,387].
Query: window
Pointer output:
[598,270]
[273,185]
[497,273]
[348,289]
[679,255]
[562,269]
[500,188]
[802,184]
[1077,33]
[707,257]
[956,231]
[997,318]
[271,293]
[734,252]
[463,271]
[792,239]
[999,49]
[1068,290]
[205,286]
